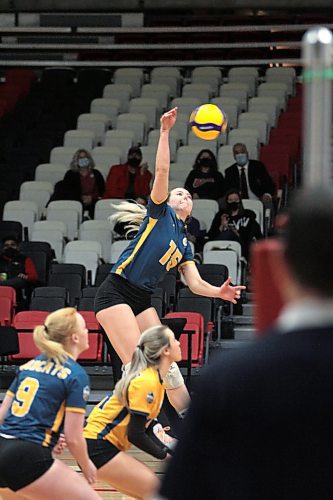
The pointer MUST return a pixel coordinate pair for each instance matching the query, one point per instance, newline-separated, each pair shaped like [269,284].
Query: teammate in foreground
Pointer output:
[49,392]
[122,419]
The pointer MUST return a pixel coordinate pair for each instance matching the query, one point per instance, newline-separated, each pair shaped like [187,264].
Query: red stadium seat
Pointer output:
[7,305]
[94,353]
[25,322]
[278,160]
[194,322]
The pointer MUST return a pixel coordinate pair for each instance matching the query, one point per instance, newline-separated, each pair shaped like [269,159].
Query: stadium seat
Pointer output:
[25,322]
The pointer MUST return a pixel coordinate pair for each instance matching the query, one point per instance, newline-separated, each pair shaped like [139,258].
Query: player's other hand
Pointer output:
[229,292]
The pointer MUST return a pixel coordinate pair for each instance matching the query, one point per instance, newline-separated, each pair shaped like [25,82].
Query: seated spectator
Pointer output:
[204,180]
[17,270]
[82,182]
[234,222]
[130,179]
[249,177]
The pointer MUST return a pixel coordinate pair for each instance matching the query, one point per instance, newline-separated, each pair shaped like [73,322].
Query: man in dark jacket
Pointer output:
[260,425]
[249,177]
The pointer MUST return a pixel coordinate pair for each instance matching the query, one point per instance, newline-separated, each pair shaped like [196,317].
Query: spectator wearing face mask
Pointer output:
[16,270]
[130,179]
[234,222]
[249,177]
[83,182]
[204,180]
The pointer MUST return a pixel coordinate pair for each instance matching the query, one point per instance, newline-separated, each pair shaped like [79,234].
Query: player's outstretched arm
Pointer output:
[160,187]
[201,287]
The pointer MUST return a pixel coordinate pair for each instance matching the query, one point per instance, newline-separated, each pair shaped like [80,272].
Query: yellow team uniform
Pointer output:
[110,418]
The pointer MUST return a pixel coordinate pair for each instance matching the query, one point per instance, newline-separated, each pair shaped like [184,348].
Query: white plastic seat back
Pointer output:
[256,121]
[107,106]
[185,105]
[122,92]
[80,139]
[188,154]
[95,122]
[104,208]
[258,208]
[89,259]
[204,214]
[136,122]
[228,258]
[50,172]
[123,139]
[237,90]
[179,172]
[147,106]
[25,212]
[52,232]
[38,191]
[269,105]
[133,76]
[68,211]
[161,92]
[201,91]
[213,145]
[117,248]
[225,157]
[149,156]
[62,155]
[103,235]
[279,90]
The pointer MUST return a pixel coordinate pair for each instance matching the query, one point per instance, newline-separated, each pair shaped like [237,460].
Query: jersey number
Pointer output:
[24,397]
[172,257]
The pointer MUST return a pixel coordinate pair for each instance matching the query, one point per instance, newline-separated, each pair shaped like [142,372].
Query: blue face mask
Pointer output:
[83,162]
[241,159]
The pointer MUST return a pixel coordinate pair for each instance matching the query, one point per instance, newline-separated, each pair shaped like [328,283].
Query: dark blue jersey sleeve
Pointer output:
[78,391]
[156,210]
[13,387]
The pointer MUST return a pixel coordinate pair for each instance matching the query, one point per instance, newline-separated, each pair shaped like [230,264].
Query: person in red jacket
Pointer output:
[130,179]
[16,269]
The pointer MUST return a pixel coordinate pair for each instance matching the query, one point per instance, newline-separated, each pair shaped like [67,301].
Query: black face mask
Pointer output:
[133,161]
[206,162]
[10,252]
[233,205]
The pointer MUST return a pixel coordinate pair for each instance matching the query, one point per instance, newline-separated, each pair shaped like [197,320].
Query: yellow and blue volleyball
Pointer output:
[208,121]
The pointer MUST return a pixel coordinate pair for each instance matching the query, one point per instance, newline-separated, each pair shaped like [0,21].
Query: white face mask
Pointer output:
[241,159]
[83,162]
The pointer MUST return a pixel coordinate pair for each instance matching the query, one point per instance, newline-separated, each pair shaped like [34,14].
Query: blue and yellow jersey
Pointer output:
[42,392]
[160,245]
[110,418]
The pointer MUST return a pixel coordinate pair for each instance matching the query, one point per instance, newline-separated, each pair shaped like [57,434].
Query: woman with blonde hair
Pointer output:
[122,419]
[123,301]
[48,394]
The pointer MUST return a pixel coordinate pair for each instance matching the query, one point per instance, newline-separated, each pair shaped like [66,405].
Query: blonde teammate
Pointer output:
[49,391]
[121,419]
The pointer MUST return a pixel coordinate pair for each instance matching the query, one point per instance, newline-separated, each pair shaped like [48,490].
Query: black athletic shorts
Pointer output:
[117,290]
[22,462]
[101,451]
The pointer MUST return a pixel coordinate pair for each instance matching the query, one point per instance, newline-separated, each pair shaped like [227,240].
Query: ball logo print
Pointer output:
[208,121]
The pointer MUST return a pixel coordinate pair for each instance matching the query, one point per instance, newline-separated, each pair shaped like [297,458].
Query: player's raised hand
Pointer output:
[229,292]
[168,119]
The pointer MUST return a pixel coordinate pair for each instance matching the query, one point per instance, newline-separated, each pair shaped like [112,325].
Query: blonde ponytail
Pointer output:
[52,337]
[147,354]
[130,214]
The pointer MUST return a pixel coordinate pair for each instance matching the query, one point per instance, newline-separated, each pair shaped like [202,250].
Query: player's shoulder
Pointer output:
[146,377]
